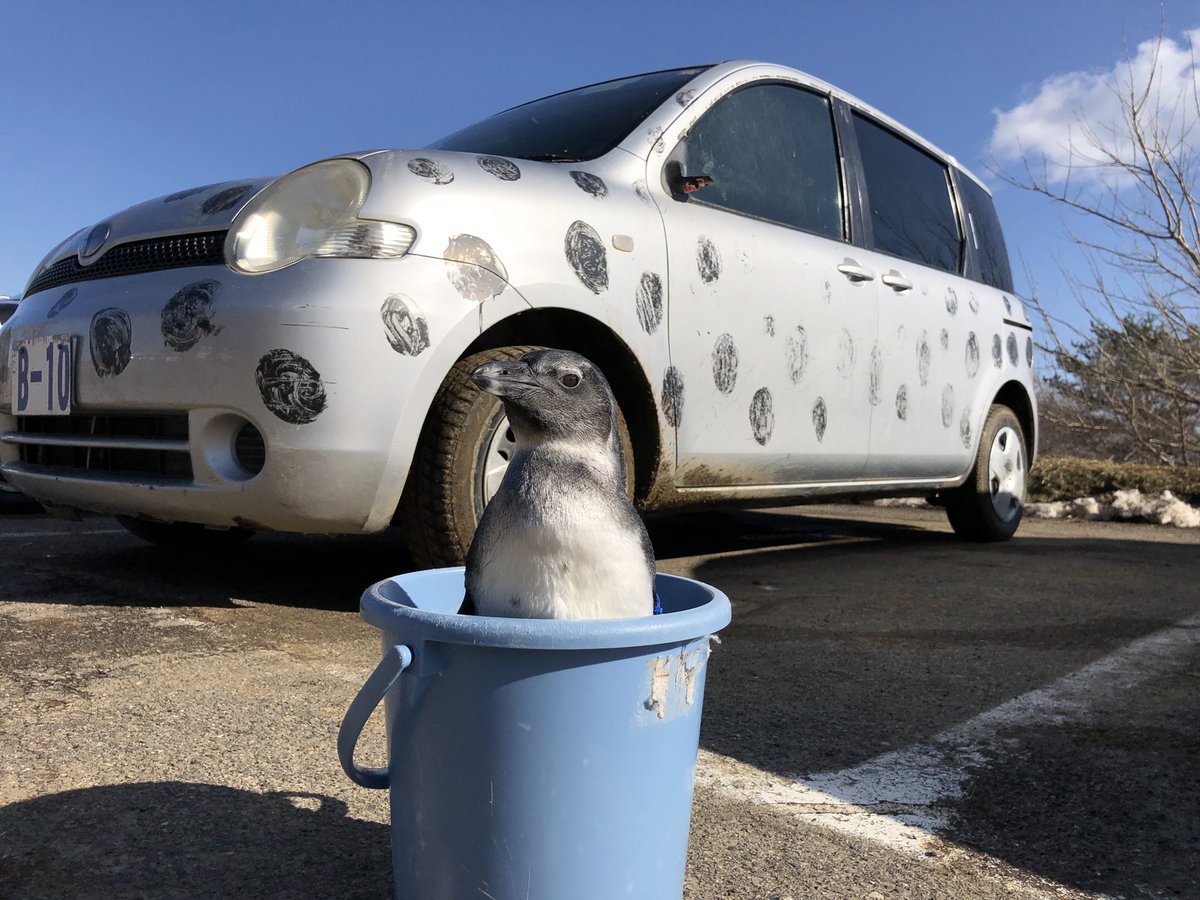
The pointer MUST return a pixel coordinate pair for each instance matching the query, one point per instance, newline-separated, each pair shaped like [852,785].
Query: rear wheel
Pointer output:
[989,505]
[461,458]
[185,535]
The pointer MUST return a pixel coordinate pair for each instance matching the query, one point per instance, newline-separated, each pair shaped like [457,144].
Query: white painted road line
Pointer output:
[895,799]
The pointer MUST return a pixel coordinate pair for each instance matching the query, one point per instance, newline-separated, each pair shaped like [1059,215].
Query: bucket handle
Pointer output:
[394,662]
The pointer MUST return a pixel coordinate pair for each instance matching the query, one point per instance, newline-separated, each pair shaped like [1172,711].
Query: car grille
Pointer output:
[176,252]
[147,444]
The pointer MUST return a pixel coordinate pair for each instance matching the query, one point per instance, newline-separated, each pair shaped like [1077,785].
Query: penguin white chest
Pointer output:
[578,563]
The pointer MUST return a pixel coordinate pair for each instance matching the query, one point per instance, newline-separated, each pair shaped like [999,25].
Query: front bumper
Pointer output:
[303,357]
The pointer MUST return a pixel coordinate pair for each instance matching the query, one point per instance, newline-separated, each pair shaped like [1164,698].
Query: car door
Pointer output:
[771,315]
[929,353]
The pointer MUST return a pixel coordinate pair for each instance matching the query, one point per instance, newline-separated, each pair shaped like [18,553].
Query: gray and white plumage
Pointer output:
[560,539]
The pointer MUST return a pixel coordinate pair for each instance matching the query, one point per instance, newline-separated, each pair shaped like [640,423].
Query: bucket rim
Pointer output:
[391,617]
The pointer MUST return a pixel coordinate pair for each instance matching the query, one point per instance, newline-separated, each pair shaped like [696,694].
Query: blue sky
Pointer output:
[103,105]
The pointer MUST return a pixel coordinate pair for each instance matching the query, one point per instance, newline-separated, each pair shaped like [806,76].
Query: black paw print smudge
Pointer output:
[769,326]
[708,260]
[1011,345]
[643,192]
[290,386]
[902,403]
[875,375]
[1007,304]
[846,354]
[820,418]
[924,359]
[407,330]
[964,428]
[762,416]
[997,351]
[972,355]
[62,302]
[473,268]
[973,302]
[589,183]
[947,405]
[431,170]
[188,315]
[649,299]
[683,98]
[226,199]
[1029,352]
[585,253]
[504,169]
[181,195]
[672,396]
[725,364]
[655,135]
[795,351]
[944,339]
[109,339]
[951,301]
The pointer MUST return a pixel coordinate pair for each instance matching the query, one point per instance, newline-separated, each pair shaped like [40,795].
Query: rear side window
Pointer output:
[912,215]
[771,153]
[985,237]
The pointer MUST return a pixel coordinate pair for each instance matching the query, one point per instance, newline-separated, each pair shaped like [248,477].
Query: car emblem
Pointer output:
[95,240]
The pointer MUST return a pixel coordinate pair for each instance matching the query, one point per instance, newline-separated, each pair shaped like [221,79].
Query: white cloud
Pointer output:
[1069,113]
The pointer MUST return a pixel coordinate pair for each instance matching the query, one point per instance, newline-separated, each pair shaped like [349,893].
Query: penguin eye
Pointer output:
[569,380]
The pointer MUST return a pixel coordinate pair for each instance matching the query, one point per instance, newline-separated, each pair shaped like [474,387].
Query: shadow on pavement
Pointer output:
[182,840]
[327,573]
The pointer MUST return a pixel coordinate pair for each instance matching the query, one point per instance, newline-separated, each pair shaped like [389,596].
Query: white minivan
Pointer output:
[792,295]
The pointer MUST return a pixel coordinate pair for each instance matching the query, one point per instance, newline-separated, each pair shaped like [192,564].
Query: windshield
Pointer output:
[576,125]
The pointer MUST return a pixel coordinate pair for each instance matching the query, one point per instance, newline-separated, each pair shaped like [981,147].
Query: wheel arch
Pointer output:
[1016,397]
[570,330]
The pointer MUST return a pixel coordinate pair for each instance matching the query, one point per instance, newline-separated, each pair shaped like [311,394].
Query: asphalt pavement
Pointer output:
[891,713]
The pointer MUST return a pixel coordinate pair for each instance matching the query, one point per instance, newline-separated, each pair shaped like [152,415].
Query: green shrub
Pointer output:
[1066,477]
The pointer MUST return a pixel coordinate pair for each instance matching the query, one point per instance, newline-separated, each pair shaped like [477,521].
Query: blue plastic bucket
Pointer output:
[535,758]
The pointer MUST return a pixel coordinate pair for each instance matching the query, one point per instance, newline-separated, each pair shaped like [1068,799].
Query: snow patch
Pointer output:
[1126,506]
[909,502]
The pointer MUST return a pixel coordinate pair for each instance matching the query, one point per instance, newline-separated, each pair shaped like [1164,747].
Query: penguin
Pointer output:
[560,539]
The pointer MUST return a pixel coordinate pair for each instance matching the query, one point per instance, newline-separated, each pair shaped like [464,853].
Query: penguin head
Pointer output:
[552,394]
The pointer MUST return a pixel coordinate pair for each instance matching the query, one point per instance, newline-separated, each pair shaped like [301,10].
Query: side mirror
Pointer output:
[680,183]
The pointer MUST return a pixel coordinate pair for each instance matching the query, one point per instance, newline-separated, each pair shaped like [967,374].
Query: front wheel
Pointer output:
[461,457]
[989,505]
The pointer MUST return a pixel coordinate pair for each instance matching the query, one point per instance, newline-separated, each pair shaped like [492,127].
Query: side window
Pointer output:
[770,152]
[912,215]
[984,235]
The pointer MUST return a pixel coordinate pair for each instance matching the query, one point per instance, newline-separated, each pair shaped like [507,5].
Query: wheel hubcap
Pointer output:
[500,449]
[1006,474]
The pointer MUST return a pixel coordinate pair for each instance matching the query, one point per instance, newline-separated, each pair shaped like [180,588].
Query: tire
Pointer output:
[185,536]
[989,505]
[460,459]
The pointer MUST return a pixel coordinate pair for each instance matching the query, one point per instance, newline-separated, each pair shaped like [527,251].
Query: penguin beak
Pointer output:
[506,378]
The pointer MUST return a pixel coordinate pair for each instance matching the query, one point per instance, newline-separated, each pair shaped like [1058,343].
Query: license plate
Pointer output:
[42,375]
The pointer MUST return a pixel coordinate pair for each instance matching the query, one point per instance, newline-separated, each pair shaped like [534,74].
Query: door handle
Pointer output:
[897,282]
[852,270]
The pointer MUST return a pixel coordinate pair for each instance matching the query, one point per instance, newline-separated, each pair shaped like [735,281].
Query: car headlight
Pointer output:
[312,212]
